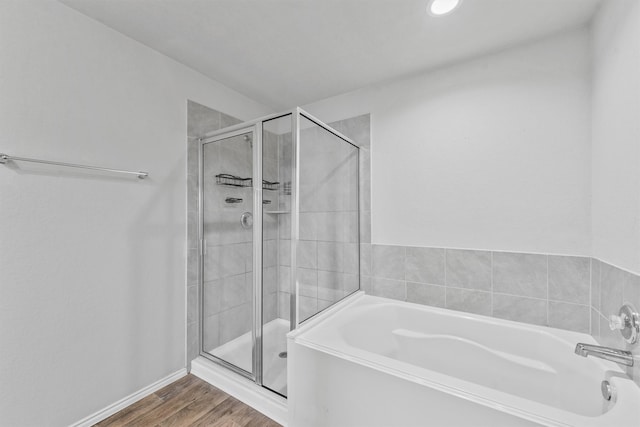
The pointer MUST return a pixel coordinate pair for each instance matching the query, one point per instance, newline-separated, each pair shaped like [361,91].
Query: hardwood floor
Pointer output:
[188,402]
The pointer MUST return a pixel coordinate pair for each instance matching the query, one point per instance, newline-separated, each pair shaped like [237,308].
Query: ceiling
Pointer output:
[284,53]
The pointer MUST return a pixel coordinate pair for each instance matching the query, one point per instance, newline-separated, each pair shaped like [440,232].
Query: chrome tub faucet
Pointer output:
[607,353]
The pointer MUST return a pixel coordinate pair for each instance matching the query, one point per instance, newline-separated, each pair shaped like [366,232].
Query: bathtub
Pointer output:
[378,362]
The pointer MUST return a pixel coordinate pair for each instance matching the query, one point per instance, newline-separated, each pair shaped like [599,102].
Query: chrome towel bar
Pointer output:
[4,158]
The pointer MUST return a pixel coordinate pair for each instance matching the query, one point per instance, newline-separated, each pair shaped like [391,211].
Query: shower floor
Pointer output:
[274,342]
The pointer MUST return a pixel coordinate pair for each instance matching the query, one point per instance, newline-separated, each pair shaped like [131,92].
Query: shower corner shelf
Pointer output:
[236,181]
[232,180]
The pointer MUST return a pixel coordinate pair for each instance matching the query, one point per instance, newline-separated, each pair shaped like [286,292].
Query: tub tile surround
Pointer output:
[565,292]
[546,290]
[611,287]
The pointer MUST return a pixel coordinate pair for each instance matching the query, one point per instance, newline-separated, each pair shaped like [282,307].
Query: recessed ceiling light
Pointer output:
[443,7]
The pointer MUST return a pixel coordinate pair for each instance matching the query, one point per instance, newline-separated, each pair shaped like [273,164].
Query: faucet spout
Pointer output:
[607,353]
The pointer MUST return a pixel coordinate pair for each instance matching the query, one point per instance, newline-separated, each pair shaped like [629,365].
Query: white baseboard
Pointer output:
[131,399]
[259,398]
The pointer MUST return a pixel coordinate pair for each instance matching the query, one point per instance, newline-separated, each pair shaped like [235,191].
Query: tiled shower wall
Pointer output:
[200,120]
[328,250]
[610,288]
[228,260]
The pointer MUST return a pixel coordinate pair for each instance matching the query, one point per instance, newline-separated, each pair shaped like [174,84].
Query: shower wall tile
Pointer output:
[468,269]
[236,290]
[211,332]
[387,288]
[227,260]
[270,253]
[520,274]
[569,279]
[424,265]
[235,322]
[421,293]
[612,289]
[351,258]
[595,323]
[193,340]
[365,176]
[234,259]
[366,284]
[631,291]
[269,280]
[500,284]
[308,282]
[307,254]
[212,296]
[201,119]
[365,227]
[574,317]
[284,303]
[331,256]
[270,307]
[388,262]
[471,301]
[192,267]
[365,259]
[307,307]
[192,304]
[284,252]
[330,285]
[595,284]
[284,279]
[309,225]
[227,120]
[357,128]
[350,283]
[520,309]
[607,337]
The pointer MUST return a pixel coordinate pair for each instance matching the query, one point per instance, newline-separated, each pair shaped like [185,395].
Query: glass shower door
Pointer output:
[277,175]
[279,242]
[228,294]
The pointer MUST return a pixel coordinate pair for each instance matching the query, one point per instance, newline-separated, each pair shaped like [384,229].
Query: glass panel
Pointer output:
[328,247]
[227,302]
[276,235]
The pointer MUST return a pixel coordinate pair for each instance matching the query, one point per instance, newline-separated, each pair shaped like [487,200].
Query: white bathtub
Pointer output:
[379,362]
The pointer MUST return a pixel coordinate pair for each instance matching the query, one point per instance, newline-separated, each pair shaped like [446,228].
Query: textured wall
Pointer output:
[615,134]
[491,153]
[93,264]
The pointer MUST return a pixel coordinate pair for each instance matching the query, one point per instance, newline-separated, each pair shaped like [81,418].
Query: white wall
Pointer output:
[92,282]
[616,134]
[490,154]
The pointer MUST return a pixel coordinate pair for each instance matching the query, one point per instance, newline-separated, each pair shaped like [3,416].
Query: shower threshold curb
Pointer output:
[259,398]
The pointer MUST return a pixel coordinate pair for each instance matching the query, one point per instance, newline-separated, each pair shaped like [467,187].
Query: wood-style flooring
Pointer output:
[188,402]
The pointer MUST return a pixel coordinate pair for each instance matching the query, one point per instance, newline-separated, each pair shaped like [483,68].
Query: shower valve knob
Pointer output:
[616,322]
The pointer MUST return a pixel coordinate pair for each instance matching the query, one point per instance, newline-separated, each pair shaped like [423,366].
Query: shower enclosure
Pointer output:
[279,237]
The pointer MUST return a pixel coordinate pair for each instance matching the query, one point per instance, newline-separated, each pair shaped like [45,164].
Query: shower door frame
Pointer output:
[256,126]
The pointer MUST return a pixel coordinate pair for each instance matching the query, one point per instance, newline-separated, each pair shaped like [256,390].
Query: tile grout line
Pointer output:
[590,296]
[492,291]
[445,277]
[547,259]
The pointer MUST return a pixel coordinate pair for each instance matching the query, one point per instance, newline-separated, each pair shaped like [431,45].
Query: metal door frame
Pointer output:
[256,127]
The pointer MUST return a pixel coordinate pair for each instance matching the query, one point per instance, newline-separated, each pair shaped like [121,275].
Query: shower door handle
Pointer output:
[246,220]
